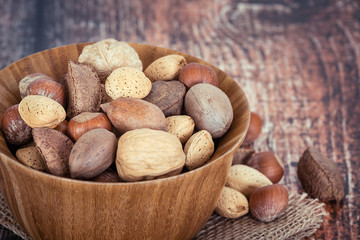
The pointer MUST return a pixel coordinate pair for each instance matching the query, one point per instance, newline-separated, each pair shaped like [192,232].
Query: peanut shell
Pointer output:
[127,82]
[165,68]
[198,149]
[41,111]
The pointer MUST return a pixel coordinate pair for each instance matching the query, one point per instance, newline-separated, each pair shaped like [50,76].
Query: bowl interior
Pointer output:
[15,179]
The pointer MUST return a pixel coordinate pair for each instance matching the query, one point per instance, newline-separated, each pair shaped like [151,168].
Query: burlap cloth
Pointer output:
[301,219]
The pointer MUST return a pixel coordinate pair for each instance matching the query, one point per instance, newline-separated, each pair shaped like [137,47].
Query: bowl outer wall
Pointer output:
[50,207]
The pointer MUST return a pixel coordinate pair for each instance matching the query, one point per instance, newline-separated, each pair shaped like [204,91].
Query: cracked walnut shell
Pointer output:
[108,54]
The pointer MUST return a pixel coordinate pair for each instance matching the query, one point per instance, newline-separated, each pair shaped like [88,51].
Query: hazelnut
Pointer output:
[15,129]
[268,164]
[194,73]
[254,129]
[267,203]
[24,83]
[62,127]
[85,122]
[48,88]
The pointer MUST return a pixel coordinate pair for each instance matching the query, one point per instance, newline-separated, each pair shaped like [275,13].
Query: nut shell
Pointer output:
[127,114]
[319,176]
[254,129]
[92,153]
[108,54]
[48,88]
[41,111]
[268,164]
[84,89]
[198,149]
[232,203]
[168,96]
[210,108]
[31,157]
[24,83]
[145,154]
[85,122]
[182,126]
[267,203]
[194,73]
[127,82]
[15,129]
[246,179]
[165,68]
[54,148]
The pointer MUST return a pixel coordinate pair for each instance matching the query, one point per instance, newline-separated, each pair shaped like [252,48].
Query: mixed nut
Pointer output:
[110,121]
[252,184]
[109,116]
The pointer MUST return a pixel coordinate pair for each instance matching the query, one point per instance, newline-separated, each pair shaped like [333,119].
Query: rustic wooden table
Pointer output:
[298,61]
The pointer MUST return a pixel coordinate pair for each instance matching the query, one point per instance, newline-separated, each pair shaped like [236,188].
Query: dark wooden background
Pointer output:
[298,61]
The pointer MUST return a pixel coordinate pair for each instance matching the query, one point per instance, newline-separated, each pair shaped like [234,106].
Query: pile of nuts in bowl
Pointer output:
[108,120]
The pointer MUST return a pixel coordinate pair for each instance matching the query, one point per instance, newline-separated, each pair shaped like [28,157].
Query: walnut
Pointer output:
[108,54]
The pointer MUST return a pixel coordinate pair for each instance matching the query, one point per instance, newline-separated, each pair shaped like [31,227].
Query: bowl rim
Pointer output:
[208,164]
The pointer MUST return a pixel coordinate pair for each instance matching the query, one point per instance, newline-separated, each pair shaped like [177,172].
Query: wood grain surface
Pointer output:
[298,61]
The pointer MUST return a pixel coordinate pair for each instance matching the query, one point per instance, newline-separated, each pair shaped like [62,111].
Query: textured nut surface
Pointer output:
[84,89]
[232,203]
[210,108]
[268,202]
[127,82]
[24,83]
[85,122]
[16,131]
[41,111]
[31,157]
[194,73]
[145,154]
[108,54]
[182,126]
[198,149]
[92,153]
[246,179]
[165,68]
[320,176]
[54,148]
[47,88]
[168,96]
[131,113]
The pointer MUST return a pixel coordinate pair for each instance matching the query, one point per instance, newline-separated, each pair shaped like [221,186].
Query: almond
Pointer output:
[41,111]
[165,68]
[127,82]
[182,126]
[198,149]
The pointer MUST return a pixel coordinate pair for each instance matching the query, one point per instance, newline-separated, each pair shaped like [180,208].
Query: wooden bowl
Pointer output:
[50,207]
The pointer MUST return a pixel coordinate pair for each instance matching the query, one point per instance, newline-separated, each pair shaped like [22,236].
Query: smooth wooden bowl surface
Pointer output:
[50,207]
